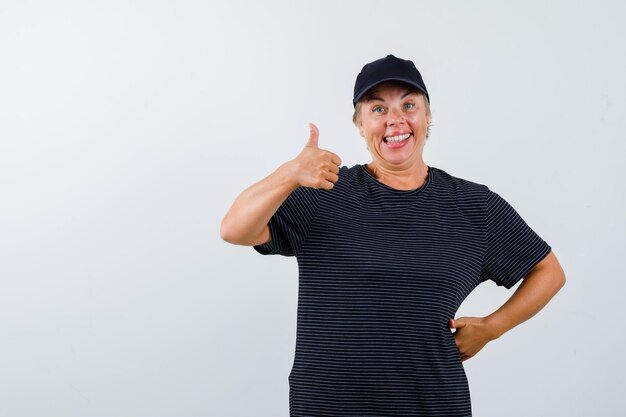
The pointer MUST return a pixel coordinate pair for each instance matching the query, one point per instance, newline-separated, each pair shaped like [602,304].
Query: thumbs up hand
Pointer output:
[315,167]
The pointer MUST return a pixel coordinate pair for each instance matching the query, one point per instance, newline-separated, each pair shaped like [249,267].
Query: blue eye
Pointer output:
[375,109]
[409,104]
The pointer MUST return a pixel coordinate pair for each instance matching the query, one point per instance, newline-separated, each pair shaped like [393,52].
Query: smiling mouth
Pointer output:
[397,139]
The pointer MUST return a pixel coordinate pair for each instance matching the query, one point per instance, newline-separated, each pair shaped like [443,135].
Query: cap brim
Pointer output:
[404,80]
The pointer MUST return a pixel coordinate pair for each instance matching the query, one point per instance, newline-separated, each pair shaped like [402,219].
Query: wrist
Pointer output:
[287,175]
[495,326]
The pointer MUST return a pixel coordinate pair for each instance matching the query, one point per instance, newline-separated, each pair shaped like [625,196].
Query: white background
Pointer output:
[128,128]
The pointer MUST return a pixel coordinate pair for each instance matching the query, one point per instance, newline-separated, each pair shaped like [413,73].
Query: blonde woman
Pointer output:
[387,251]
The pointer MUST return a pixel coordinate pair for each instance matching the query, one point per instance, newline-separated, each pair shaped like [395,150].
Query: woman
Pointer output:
[387,252]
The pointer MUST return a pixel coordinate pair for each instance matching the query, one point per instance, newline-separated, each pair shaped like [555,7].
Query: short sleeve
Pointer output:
[290,224]
[512,249]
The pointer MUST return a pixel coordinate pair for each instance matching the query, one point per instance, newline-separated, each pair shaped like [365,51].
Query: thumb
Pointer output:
[313,136]
[457,324]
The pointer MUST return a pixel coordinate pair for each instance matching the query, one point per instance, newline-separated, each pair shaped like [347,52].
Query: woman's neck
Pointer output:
[400,179]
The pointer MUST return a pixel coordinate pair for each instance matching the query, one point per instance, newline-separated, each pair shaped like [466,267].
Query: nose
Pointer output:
[394,116]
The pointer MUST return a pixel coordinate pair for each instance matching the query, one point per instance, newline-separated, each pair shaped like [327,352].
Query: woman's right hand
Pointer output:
[315,167]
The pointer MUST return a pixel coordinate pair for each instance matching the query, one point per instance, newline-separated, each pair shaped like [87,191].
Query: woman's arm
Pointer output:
[251,211]
[536,289]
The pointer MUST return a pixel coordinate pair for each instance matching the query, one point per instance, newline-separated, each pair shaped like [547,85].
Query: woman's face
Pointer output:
[393,112]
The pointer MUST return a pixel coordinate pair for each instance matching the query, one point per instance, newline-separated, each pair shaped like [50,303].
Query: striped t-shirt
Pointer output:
[381,271]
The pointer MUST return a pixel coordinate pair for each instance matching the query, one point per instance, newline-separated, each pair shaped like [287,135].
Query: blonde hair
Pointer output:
[356,116]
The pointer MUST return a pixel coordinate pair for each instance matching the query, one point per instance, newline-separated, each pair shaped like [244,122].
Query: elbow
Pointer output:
[560,273]
[226,232]
[553,267]
[558,279]
[232,234]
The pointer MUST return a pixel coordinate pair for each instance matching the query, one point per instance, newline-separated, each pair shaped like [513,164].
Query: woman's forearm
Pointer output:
[253,208]
[536,289]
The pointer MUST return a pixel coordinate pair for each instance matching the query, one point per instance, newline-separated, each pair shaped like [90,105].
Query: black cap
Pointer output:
[389,68]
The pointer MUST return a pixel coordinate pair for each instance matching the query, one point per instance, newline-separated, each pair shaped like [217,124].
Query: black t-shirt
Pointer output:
[381,271]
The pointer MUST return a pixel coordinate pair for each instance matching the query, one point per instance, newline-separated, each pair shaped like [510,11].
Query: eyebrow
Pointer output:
[371,98]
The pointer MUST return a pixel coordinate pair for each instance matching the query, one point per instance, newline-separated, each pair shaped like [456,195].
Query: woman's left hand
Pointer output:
[471,335]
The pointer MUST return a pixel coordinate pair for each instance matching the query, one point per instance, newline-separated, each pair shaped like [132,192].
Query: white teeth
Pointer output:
[398,138]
